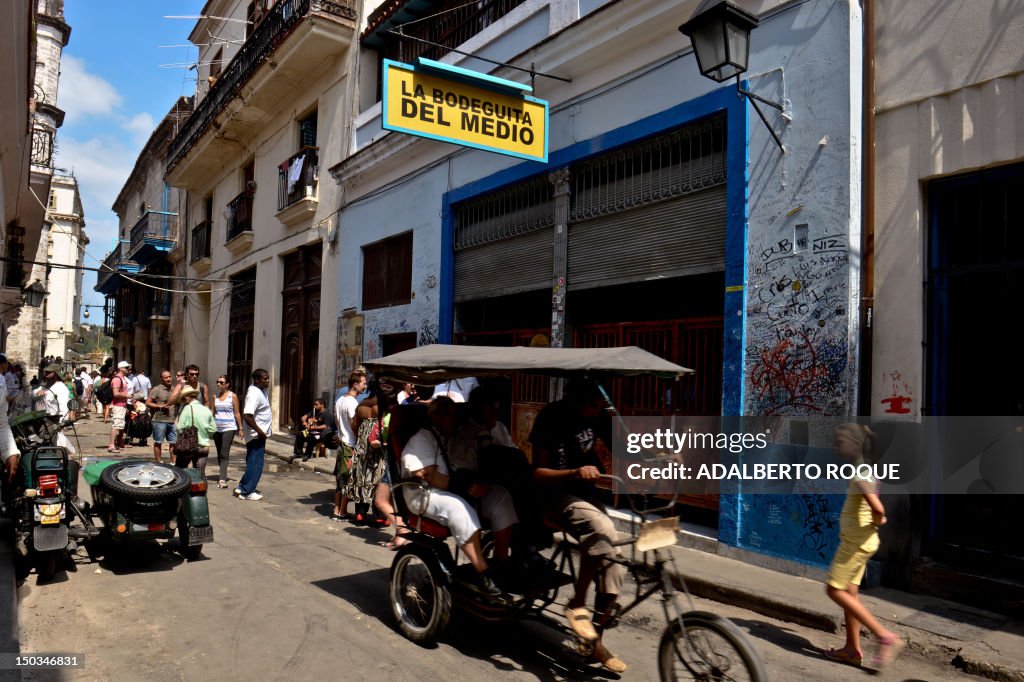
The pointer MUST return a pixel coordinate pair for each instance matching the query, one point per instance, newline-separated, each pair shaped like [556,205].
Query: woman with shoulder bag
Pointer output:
[228,417]
[195,426]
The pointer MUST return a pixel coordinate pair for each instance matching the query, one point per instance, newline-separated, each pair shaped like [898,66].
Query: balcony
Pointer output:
[109,279]
[161,308]
[153,236]
[240,220]
[297,187]
[297,38]
[42,147]
[200,253]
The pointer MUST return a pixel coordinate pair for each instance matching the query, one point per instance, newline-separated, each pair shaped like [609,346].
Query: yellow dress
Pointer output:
[858,540]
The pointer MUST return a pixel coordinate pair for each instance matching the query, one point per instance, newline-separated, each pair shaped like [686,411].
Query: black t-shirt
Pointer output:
[325,418]
[569,440]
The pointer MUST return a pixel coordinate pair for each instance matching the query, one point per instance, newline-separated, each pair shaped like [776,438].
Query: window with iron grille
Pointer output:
[387,272]
[681,162]
[508,212]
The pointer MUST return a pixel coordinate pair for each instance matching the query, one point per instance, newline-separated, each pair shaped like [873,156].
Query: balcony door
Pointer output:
[300,328]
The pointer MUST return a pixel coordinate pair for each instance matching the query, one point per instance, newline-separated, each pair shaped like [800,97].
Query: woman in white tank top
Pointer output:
[228,417]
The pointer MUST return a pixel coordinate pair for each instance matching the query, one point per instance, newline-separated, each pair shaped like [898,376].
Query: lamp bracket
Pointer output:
[754,99]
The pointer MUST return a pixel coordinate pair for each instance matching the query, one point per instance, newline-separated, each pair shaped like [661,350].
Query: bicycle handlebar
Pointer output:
[629,498]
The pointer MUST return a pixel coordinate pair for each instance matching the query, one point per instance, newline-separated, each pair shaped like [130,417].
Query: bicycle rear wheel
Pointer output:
[712,649]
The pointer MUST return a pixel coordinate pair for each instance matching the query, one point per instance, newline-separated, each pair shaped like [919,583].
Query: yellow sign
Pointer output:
[428,104]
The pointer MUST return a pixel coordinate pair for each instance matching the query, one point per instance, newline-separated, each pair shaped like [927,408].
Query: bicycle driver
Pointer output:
[9,453]
[566,437]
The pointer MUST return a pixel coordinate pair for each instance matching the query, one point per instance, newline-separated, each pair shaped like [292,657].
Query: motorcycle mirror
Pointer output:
[74,405]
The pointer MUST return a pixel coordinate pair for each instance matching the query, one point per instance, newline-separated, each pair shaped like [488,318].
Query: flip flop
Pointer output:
[115,451]
[841,656]
[887,652]
[394,544]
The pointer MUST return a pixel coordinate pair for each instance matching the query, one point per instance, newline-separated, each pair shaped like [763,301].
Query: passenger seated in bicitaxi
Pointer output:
[425,456]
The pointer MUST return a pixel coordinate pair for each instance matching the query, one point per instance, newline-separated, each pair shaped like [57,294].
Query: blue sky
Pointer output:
[114,91]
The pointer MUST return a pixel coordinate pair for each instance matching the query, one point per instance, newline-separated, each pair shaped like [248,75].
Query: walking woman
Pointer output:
[367,462]
[193,414]
[228,416]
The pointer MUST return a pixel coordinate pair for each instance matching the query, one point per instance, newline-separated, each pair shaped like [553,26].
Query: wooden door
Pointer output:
[300,329]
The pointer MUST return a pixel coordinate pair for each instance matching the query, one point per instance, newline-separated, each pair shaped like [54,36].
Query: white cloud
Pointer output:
[140,126]
[82,94]
[101,165]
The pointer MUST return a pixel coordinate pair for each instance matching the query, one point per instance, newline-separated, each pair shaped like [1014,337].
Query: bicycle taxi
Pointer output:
[427,577]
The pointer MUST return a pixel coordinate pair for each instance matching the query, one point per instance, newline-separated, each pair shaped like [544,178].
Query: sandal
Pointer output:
[394,544]
[581,623]
[610,661]
[338,517]
[888,650]
[113,451]
[843,656]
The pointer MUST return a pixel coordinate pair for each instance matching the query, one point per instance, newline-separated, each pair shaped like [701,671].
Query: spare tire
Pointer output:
[144,481]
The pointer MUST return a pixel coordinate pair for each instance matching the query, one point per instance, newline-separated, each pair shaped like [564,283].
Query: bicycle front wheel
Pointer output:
[711,649]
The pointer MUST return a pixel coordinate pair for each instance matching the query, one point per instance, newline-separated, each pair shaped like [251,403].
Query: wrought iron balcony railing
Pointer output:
[200,241]
[240,215]
[271,32]
[155,226]
[42,147]
[297,178]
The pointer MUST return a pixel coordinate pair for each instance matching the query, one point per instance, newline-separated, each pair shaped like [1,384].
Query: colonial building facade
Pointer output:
[666,216]
[272,113]
[25,240]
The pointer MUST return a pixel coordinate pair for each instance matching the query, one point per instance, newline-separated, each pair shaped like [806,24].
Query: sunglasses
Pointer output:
[221,382]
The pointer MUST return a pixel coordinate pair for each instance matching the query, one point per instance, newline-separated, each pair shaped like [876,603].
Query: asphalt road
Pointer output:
[286,594]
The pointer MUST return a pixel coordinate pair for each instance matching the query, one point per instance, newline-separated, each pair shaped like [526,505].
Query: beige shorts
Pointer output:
[117,415]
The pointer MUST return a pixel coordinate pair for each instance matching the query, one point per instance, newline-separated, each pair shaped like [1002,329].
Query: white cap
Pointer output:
[123,364]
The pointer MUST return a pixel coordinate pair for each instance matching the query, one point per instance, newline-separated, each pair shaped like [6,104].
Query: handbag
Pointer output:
[188,437]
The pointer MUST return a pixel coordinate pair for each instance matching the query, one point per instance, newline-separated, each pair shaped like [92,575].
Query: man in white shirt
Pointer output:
[13,384]
[55,397]
[258,420]
[9,453]
[142,384]
[344,417]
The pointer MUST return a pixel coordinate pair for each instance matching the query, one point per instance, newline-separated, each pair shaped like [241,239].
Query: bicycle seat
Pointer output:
[429,527]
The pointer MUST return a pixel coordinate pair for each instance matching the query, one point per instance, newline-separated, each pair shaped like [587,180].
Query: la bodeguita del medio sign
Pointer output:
[447,103]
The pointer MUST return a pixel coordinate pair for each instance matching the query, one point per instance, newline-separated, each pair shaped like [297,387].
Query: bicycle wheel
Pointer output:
[420,600]
[712,649]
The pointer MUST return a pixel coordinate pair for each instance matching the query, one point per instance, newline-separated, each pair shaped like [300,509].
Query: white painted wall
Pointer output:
[950,90]
[64,284]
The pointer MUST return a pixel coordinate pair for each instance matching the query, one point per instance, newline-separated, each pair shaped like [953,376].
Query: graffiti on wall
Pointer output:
[797,328]
[900,397]
[800,527]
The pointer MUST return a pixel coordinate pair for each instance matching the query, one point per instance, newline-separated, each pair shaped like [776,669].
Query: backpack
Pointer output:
[141,426]
[79,387]
[105,393]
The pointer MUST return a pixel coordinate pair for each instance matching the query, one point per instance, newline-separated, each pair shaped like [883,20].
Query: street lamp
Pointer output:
[720,34]
[34,294]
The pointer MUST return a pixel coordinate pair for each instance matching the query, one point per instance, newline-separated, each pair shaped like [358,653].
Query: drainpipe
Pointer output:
[867,232]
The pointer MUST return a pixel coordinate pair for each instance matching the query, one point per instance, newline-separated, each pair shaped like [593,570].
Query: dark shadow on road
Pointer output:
[786,639]
[367,591]
[140,557]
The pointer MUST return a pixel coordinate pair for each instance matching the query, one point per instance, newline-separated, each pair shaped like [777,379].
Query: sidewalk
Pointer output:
[976,641]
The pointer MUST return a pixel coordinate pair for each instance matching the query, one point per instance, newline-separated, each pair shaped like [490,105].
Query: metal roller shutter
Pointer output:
[672,238]
[508,266]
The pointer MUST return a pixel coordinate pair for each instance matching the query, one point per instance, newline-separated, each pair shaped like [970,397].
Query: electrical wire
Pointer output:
[49,216]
